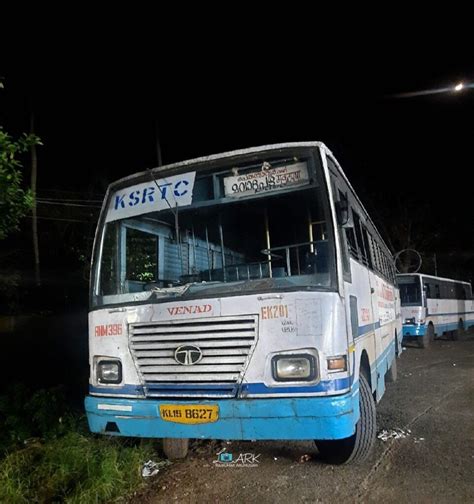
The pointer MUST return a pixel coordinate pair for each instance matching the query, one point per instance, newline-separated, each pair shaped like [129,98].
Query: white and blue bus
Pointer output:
[434,306]
[241,296]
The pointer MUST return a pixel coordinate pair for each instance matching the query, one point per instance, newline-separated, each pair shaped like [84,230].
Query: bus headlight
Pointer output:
[109,371]
[294,367]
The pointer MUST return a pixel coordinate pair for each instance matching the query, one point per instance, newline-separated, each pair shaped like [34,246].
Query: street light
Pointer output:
[460,86]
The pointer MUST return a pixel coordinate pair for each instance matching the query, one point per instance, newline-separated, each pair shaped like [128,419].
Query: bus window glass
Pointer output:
[360,241]
[467,289]
[429,290]
[410,291]
[109,279]
[367,247]
[351,240]
[344,245]
[282,238]
[142,256]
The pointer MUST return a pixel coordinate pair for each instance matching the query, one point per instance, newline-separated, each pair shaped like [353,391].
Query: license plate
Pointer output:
[188,413]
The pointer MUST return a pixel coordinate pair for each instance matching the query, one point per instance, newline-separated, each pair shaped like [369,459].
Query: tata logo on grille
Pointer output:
[187,355]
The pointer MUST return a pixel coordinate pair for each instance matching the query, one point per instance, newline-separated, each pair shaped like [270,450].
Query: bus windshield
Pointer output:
[410,290]
[277,240]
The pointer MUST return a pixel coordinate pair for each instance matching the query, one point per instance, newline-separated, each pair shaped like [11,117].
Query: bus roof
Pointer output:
[224,155]
[433,277]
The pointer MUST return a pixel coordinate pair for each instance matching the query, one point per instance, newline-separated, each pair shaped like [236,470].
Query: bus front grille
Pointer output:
[221,347]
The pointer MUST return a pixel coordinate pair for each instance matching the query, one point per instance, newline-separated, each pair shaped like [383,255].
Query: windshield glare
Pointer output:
[281,239]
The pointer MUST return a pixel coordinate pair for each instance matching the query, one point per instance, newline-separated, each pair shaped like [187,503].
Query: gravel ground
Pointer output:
[432,402]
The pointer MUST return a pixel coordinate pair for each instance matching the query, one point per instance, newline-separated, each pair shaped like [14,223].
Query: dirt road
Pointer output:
[433,398]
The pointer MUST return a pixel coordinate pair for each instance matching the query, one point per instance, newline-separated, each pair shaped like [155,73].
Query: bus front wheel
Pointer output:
[357,447]
[175,448]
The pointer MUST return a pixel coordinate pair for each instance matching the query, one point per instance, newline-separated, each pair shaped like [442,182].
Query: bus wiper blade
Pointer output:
[179,289]
[174,211]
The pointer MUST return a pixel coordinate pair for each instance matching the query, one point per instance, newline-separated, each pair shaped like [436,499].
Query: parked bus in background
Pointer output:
[241,296]
[433,306]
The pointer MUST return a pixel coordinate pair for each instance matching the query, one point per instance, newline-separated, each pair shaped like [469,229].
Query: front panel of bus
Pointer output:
[413,300]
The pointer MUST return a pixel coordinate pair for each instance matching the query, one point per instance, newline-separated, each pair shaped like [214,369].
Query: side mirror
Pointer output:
[343,215]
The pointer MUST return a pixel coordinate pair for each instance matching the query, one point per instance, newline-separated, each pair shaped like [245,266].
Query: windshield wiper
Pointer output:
[179,289]
[176,218]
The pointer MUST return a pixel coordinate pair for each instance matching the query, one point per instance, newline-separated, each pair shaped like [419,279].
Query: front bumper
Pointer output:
[298,418]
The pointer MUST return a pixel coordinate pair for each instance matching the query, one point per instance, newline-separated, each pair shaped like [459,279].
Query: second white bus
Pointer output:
[434,306]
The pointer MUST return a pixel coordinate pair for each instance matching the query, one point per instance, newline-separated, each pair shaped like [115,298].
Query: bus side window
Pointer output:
[387,267]
[428,290]
[437,291]
[467,289]
[384,264]
[351,240]
[375,259]
[346,266]
[360,241]
[452,291]
[379,258]
[365,235]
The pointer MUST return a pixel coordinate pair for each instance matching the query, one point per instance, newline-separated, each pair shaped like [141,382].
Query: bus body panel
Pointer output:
[286,323]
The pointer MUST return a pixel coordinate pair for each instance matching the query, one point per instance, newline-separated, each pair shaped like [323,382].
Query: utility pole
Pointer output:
[435,265]
[34,220]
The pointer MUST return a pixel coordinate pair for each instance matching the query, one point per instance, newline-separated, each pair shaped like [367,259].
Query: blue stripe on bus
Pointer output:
[246,388]
[420,329]
[368,328]
[447,314]
[121,390]
[323,386]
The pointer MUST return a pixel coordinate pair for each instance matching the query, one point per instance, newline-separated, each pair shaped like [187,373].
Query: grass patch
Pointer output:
[75,468]
[50,459]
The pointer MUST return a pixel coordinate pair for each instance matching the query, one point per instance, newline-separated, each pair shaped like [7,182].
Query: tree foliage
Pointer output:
[15,202]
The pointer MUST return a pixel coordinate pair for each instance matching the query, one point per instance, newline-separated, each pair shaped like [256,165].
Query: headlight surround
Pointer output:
[109,371]
[296,367]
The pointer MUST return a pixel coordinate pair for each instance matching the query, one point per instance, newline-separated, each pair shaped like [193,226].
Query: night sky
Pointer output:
[97,109]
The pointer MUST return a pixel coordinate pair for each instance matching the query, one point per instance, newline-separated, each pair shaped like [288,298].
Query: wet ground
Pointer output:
[432,461]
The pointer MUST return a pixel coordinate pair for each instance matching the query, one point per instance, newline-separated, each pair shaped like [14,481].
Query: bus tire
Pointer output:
[391,374]
[357,447]
[175,448]
[428,337]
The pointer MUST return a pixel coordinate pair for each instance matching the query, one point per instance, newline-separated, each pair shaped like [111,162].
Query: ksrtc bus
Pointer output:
[433,306]
[241,296]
